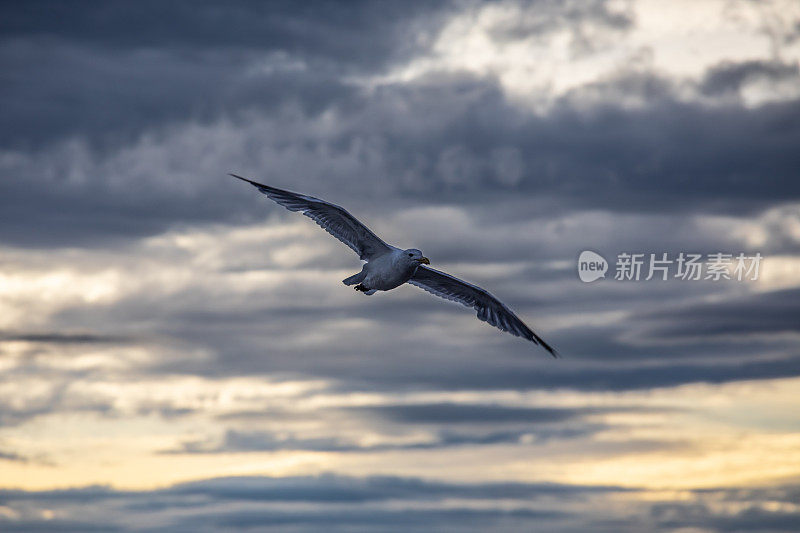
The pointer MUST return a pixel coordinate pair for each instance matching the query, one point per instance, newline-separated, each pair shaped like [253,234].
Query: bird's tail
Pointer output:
[355,278]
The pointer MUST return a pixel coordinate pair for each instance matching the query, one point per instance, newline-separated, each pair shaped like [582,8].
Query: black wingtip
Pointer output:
[549,348]
[251,182]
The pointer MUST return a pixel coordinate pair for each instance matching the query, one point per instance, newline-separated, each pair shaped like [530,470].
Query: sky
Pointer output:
[178,353]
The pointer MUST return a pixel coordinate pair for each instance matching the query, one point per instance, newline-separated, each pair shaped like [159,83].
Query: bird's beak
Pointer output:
[425,261]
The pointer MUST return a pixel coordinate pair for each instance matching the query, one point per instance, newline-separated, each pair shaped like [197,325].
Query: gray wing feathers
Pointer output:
[332,218]
[489,308]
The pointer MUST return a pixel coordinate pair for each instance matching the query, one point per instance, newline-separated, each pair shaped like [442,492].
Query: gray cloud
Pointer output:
[110,70]
[57,337]
[597,17]
[764,314]
[453,139]
[649,348]
[731,77]
[450,413]
[12,456]
[348,502]
[263,441]
[339,31]
[326,487]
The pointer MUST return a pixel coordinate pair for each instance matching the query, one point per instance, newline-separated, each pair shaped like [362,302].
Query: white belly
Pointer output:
[384,275]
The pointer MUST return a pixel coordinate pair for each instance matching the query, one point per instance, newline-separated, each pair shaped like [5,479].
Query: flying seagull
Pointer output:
[388,267]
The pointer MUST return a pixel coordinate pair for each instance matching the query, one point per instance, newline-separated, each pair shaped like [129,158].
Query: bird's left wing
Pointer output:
[332,218]
[489,308]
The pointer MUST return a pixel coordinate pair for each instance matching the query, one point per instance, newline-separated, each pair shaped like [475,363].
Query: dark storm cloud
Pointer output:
[667,156]
[106,73]
[634,352]
[691,157]
[767,313]
[347,32]
[512,375]
[698,353]
[548,150]
[499,365]
[110,97]
[448,138]
[109,70]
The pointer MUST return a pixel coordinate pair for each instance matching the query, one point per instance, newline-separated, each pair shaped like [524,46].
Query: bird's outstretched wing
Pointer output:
[332,218]
[489,308]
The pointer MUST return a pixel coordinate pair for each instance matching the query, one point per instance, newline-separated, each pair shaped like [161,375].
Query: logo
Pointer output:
[591,266]
[665,266]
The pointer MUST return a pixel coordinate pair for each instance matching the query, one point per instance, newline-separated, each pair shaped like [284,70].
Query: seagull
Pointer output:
[387,267]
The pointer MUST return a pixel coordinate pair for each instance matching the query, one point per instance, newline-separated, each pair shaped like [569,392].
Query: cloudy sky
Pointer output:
[178,353]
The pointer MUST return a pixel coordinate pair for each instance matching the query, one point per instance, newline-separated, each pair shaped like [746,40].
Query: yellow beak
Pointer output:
[425,261]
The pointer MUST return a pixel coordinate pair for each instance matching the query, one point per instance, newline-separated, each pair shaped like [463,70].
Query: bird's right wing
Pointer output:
[332,218]
[489,308]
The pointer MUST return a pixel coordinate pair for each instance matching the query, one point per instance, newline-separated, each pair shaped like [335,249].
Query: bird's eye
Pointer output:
[410,255]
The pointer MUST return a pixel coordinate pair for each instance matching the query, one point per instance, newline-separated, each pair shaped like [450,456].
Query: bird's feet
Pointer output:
[361,288]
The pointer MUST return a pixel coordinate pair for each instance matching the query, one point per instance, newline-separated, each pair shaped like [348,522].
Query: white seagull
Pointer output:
[388,267]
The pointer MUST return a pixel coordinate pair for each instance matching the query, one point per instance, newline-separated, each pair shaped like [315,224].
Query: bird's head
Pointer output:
[415,256]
